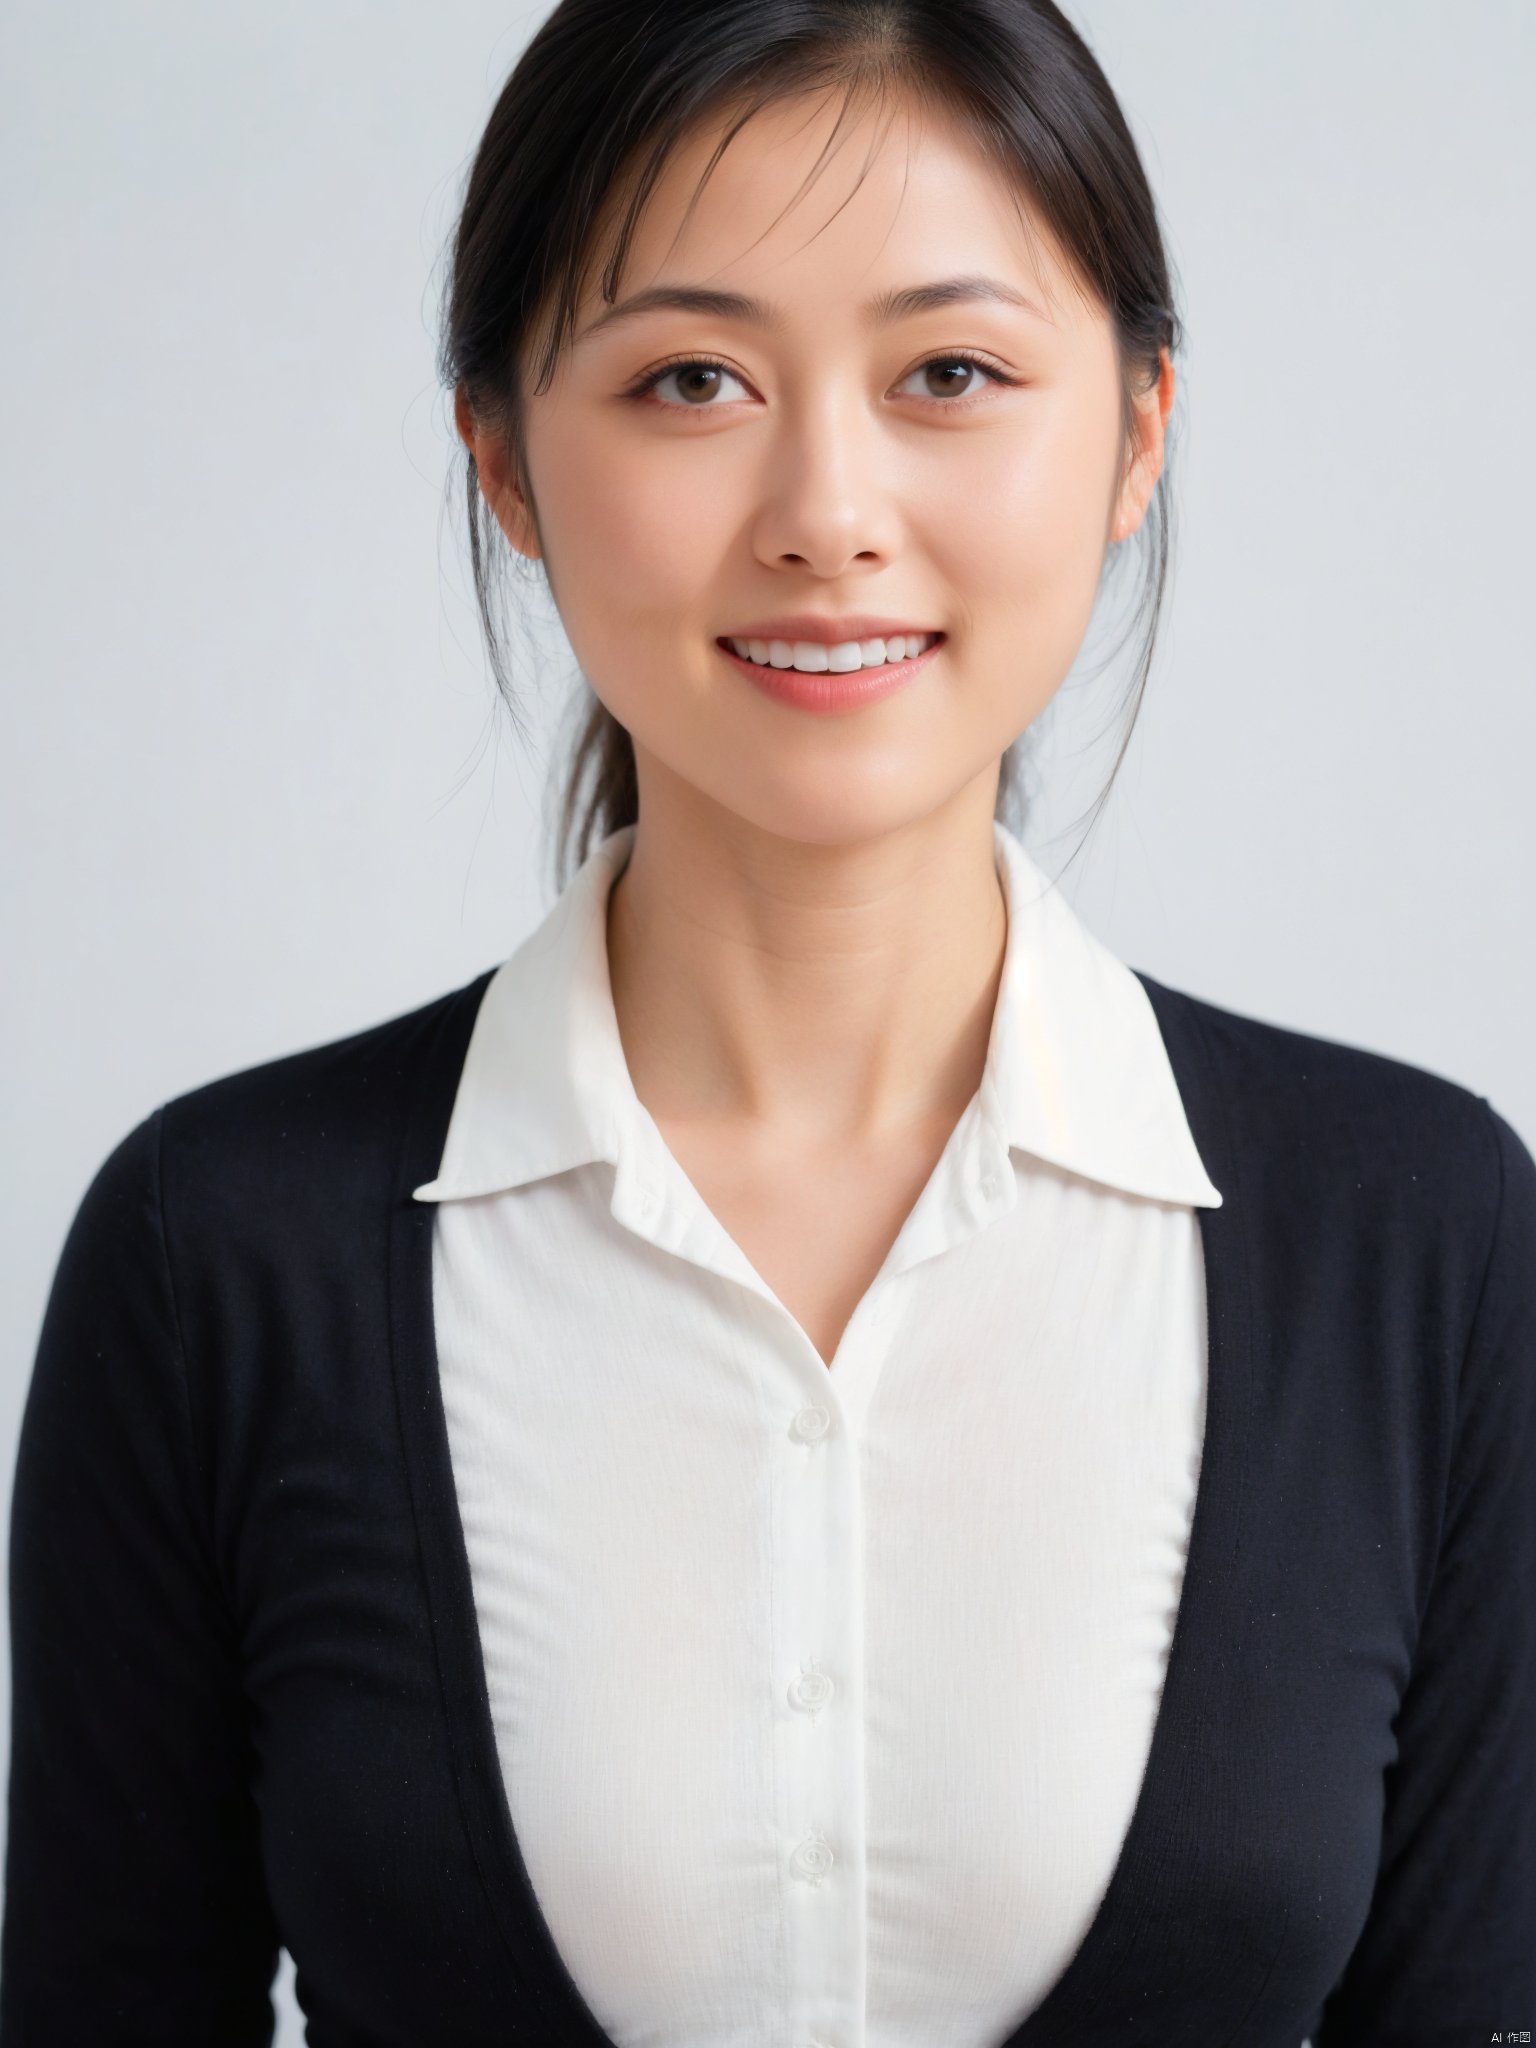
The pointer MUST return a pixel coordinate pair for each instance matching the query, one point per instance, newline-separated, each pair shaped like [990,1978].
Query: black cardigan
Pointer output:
[248,1701]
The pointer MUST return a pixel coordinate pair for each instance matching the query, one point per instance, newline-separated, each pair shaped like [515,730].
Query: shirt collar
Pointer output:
[1076,1070]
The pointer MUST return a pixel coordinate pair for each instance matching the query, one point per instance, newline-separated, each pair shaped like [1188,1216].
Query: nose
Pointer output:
[828,501]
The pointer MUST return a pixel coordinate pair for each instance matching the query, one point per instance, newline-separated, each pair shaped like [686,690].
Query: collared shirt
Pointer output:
[823,1698]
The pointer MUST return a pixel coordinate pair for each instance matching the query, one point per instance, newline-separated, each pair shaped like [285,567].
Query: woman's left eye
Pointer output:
[962,362]
[698,377]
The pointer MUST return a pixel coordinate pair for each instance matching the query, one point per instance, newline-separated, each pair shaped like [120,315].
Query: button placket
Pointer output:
[821,1807]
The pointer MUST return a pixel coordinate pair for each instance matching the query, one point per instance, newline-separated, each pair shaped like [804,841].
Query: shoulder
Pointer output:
[311,1131]
[1338,1134]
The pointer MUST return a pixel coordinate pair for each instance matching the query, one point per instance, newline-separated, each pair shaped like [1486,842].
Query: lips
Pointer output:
[835,683]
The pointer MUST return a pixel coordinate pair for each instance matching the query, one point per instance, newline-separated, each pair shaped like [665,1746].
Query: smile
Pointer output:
[814,657]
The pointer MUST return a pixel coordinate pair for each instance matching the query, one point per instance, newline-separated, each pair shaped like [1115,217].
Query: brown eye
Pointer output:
[697,379]
[948,380]
[956,380]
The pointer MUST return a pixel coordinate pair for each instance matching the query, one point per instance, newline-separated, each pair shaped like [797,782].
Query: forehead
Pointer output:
[824,198]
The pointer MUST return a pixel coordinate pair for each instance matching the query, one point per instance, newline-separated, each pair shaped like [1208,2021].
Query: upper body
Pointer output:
[606,1668]
[788,1639]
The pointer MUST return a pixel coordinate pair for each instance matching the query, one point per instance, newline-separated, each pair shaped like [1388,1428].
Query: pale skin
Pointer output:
[806,945]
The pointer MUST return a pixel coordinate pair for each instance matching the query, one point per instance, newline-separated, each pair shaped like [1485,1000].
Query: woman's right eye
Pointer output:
[698,379]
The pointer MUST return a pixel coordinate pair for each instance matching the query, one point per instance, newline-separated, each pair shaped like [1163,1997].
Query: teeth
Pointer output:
[815,658]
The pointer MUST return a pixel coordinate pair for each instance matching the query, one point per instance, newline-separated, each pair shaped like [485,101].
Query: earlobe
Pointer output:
[516,524]
[511,509]
[1133,498]
[1128,521]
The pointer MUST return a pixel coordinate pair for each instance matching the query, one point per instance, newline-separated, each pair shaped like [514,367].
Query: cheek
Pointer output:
[1022,546]
[633,545]
[1023,532]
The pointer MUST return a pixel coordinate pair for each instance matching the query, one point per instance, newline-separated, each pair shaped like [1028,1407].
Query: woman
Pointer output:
[812,1458]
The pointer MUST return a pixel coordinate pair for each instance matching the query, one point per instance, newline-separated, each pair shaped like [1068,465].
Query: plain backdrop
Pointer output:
[257,791]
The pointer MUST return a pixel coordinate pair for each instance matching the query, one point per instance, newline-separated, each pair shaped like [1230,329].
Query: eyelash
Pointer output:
[646,384]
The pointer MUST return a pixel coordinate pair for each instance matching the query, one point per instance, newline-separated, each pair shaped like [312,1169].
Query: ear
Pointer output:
[494,468]
[1146,464]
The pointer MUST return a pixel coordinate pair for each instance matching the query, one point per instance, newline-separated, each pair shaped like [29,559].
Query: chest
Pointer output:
[815,1225]
[647,1537]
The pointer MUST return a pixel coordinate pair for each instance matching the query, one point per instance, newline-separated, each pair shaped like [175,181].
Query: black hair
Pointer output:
[582,130]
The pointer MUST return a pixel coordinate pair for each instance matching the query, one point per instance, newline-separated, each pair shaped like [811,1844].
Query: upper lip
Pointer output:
[828,632]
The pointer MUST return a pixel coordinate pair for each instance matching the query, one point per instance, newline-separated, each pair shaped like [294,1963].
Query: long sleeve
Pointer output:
[135,1909]
[1448,1952]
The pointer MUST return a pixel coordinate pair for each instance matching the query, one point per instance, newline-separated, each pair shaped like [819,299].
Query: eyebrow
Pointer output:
[898,304]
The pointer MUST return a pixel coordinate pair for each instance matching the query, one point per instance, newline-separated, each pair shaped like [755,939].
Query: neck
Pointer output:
[817,994]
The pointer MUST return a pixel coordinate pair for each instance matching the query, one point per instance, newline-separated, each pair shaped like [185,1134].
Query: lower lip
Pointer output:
[849,691]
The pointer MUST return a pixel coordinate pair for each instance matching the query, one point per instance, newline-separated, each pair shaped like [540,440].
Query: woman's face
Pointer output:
[826,456]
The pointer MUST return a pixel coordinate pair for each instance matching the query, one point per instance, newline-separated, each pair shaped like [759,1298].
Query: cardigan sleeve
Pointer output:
[135,1909]
[1448,1951]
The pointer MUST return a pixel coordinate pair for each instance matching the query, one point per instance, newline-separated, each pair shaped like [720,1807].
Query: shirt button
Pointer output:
[989,1184]
[810,1425]
[812,1859]
[810,1691]
[648,1200]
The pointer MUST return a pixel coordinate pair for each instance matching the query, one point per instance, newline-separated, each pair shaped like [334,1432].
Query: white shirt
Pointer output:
[823,1697]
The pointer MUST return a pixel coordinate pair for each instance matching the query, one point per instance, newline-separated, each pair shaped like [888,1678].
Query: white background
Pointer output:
[256,791]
